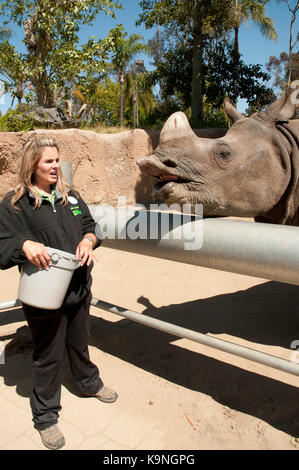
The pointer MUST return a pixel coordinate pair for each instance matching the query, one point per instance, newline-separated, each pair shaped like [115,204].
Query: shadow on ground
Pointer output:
[265,314]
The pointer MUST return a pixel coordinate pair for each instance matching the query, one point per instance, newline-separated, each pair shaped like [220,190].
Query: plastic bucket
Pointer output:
[47,289]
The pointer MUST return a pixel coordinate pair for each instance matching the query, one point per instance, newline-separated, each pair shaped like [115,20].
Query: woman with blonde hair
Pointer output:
[44,210]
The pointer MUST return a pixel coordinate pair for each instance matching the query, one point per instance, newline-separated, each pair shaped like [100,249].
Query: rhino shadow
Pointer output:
[264,314]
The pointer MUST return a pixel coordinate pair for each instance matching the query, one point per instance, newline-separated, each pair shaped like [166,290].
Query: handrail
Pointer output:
[175,330]
[266,251]
[262,250]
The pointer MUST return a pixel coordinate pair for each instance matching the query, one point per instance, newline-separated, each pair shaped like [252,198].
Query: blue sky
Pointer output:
[254,47]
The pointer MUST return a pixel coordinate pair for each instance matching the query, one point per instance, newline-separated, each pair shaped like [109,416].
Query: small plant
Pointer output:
[16,121]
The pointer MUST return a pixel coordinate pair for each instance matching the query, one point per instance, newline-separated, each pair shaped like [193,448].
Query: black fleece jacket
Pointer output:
[59,226]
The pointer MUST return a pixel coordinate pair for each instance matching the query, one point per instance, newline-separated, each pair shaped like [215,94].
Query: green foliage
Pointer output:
[14,70]
[279,68]
[73,12]
[194,25]
[226,76]
[217,16]
[124,51]
[15,121]
[139,98]
[214,117]
[174,74]
[293,7]
[177,15]
[58,67]
[107,99]
[5,33]
[255,10]
[55,57]
[101,95]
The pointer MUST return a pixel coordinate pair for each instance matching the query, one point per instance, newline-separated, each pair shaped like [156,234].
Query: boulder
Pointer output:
[53,118]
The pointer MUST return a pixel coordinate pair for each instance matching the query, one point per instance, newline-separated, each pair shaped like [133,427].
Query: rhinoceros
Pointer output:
[252,171]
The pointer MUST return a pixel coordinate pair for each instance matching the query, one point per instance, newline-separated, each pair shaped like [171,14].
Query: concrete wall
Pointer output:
[103,165]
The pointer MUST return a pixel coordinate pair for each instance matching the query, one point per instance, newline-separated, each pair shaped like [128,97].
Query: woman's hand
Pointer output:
[37,254]
[85,252]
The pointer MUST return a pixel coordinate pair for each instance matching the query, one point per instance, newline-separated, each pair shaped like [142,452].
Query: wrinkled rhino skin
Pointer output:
[252,171]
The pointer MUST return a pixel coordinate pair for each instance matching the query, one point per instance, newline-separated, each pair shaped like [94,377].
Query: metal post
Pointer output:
[66,168]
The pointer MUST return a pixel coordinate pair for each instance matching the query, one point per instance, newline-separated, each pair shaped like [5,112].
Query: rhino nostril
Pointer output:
[170,163]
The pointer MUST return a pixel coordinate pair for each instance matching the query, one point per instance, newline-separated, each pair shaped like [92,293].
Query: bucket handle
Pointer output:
[55,257]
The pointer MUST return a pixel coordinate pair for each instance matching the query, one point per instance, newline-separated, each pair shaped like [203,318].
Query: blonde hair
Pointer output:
[31,155]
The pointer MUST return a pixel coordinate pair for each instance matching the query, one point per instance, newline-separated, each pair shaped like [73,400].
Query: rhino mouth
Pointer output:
[165,179]
[165,175]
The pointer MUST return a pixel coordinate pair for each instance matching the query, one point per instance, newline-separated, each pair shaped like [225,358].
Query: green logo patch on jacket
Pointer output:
[76,210]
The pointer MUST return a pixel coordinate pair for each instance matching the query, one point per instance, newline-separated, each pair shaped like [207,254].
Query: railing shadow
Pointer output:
[265,314]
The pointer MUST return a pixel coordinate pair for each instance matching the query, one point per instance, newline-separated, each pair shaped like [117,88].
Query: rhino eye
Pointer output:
[224,152]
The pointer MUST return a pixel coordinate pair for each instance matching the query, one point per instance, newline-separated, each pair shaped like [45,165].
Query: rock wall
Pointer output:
[103,165]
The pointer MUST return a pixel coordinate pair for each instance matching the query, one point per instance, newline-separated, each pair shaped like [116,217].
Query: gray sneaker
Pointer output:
[52,437]
[106,395]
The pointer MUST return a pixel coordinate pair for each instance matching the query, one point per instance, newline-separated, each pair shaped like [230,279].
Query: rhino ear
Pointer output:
[231,112]
[176,123]
[282,109]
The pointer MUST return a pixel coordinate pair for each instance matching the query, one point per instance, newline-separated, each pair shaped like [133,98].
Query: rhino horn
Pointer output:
[284,108]
[177,123]
[231,112]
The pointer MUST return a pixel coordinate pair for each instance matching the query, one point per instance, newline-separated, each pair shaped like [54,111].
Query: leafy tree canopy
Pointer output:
[51,36]
[13,69]
[174,73]
[195,24]
[178,14]
[279,67]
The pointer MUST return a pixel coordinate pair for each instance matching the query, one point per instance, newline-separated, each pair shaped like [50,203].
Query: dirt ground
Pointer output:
[198,397]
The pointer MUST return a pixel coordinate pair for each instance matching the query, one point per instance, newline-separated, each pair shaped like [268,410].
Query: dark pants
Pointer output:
[52,330]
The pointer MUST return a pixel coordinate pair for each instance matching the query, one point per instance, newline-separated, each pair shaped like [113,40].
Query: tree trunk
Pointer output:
[19,93]
[134,99]
[197,102]
[137,110]
[44,95]
[38,44]
[81,111]
[236,58]
[291,45]
[69,107]
[121,112]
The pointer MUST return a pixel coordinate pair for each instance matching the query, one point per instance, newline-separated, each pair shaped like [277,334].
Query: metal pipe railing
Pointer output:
[10,304]
[261,250]
[266,251]
[175,330]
